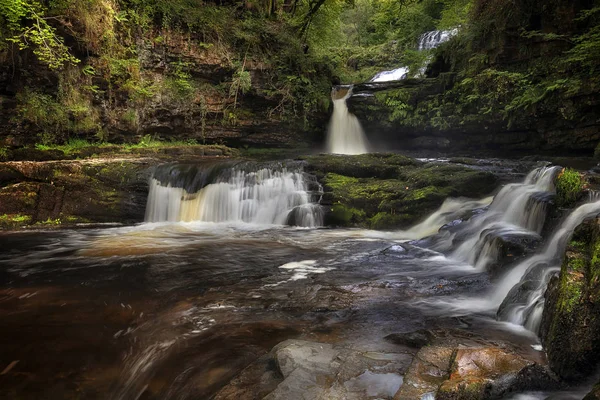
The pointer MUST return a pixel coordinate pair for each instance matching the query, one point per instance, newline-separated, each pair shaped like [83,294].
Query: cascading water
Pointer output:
[392,75]
[521,291]
[449,211]
[518,210]
[427,41]
[431,40]
[237,194]
[345,135]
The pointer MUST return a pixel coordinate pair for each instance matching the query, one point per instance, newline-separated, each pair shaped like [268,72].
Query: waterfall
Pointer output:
[427,41]
[393,75]
[517,211]
[345,135]
[451,210]
[236,194]
[431,40]
[520,294]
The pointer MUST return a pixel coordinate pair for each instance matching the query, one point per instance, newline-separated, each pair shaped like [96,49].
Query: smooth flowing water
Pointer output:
[345,135]
[176,309]
[238,194]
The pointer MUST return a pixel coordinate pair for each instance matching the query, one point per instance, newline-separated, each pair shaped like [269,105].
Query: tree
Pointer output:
[26,26]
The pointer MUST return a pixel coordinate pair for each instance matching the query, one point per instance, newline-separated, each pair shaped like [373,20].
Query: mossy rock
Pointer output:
[570,327]
[382,165]
[388,191]
[569,188]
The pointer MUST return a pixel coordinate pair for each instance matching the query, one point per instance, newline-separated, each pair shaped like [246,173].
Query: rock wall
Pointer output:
[176,87]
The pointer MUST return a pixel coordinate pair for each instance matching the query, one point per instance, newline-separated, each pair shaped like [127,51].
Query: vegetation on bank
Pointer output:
[100,69]
[84,67]
[75,149]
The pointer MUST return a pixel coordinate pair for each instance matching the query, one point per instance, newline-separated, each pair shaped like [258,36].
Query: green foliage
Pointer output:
[179,82]
[44,112]
[25,25]
[584,55]
[569,186]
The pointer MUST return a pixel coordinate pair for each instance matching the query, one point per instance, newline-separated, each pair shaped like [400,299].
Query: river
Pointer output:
[175,310]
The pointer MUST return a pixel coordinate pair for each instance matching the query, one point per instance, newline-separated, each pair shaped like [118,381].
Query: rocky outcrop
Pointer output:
[94,190]
[484,136]
[570,329]
[384,191]
[298,369]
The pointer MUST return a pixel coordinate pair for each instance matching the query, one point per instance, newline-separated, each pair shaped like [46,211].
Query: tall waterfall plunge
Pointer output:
[345,135]
[237,194]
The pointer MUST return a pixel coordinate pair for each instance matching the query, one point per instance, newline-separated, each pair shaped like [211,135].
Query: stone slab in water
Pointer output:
[299,369]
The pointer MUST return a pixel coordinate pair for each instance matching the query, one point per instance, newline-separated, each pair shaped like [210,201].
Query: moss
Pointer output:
[425,193]
[570,323]
[11,221]
[392,190]
[382,165]
[385,220]
[569,187]
[342,215]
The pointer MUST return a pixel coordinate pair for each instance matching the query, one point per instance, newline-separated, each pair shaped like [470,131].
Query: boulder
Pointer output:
[415,339]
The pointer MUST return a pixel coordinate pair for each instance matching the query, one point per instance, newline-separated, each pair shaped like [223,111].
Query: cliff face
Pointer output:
[223,75]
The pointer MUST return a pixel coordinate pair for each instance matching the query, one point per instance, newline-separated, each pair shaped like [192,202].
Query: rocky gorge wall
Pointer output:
[223,75]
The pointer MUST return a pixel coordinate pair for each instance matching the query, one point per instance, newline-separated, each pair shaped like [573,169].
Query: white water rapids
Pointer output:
[519,209]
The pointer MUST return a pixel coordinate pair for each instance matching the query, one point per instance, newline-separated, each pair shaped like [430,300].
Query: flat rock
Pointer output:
[303,370]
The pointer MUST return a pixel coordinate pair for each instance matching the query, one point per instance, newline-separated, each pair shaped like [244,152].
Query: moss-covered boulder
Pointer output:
[570,328]
[569,187]
[384,191]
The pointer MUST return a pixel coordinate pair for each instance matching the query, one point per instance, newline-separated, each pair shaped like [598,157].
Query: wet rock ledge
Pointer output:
[386,191]
[108,188]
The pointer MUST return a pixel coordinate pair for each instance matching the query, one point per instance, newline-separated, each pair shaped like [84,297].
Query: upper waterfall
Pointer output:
[345,135]
[236,194]
[431,40]
[427,41]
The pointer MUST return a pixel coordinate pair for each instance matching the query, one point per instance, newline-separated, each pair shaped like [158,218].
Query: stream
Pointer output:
[177,307]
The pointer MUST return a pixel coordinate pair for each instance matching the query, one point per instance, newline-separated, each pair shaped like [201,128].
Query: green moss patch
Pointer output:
[387,191]
[569,187]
